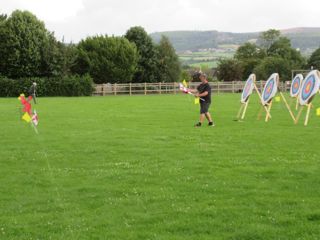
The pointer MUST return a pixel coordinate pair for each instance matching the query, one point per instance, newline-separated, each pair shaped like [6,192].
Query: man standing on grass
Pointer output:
[204,92]
[32,91]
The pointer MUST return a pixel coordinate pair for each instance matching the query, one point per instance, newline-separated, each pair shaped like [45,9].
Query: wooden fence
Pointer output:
[173,88]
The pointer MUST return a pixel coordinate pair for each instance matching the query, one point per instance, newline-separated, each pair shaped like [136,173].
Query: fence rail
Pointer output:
[173,88]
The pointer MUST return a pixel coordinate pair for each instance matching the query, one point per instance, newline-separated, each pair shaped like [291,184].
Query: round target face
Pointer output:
[270,89]
[248,88]
[310,87]
[295,85]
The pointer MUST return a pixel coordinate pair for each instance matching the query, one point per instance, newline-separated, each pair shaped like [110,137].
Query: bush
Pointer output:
[65,86]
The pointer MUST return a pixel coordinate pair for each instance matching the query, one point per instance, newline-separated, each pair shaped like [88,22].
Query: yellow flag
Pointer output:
[184,83]
[318,112]
[196,100]
[278,99]
[21,95]
[26,117]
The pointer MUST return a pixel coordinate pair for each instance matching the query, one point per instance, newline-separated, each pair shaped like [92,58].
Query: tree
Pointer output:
[169,68]
[147,64]
[106,59]
[249,55]
[266,39]
[271,65]
[282,49]
[314,60]
[23,40]
[229,70]
[249,51]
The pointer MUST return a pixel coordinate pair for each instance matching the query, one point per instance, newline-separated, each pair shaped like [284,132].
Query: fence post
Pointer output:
[174,88]
[261,88]
[160,87]
[145,88]
[218,88]
[130,89]
[233,87]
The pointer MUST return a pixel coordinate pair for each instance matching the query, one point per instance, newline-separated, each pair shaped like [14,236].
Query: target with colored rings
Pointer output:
[296,85]
[310,87]
[248,88]
[270,89]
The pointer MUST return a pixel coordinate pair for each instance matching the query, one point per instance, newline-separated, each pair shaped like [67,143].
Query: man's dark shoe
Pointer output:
[211,124]
[197,125]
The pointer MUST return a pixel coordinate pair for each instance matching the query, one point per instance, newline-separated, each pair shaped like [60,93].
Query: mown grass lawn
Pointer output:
[123,167]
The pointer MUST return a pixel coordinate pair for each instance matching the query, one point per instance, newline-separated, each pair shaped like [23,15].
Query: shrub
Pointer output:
[65,86]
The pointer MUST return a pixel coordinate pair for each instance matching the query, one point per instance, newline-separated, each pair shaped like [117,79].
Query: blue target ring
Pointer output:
[295,86]
[268,90]
[308,87]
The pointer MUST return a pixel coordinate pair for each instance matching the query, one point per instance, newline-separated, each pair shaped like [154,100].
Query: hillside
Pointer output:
[306,39]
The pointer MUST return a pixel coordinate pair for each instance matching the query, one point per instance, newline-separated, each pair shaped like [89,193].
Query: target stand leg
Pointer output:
[245,109]
[260,113]
[297,104]
[299,114]
[268,116]
[308,114]
[288,107]
[240,111]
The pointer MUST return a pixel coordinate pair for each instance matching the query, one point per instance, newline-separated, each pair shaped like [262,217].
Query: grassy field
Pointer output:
[207,59]
[123,167]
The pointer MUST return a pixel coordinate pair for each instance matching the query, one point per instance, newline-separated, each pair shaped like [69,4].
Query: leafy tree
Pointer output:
[314,60]
[3,17]
[23,40]
[56,57]
[249,51]
[168,62]
[271,65]
[147,64]
[249,65]
[282,49]
[266,39]
[106,59]
[249,55]
[229,70]
[185,75]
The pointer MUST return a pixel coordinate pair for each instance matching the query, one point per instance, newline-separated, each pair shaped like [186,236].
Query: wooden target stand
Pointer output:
[275,90]
[245,97]
[295,89]
[308,106]
[287,105]
[306,120]
[307,103]
[266,97]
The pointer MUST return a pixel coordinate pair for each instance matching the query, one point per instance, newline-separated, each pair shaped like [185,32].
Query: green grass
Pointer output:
[209,64]
[207,59]
[123,167]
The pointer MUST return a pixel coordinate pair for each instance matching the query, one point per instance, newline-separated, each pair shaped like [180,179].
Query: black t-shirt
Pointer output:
[205,87]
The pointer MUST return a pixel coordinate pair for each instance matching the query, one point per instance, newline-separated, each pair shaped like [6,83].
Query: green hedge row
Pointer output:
[63,86]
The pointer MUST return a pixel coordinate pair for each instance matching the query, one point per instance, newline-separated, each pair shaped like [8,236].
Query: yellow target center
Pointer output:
[308,87]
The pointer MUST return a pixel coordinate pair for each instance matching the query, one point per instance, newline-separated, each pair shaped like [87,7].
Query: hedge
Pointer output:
[63,86]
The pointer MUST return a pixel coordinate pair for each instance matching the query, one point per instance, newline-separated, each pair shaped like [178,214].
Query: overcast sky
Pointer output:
[76,19]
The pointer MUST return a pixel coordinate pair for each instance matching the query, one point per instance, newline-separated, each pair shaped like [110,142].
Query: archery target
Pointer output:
[295,85]
[270,89]
[248,88]
[310,87]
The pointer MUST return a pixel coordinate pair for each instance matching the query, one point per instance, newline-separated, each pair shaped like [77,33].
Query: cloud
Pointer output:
[76,19]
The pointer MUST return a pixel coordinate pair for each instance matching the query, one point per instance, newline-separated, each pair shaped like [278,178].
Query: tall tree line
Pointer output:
[28,49]
[271,53]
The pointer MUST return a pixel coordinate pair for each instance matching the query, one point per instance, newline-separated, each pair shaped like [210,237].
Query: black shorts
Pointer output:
[204,107]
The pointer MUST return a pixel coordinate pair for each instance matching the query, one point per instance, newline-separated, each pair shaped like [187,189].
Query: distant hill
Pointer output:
[306,39]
